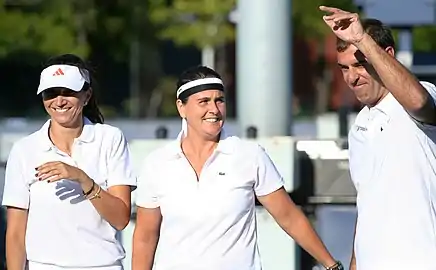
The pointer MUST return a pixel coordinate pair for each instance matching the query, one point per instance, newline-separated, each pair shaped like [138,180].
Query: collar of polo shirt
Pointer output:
[86,136]
[225,145]
[386,105]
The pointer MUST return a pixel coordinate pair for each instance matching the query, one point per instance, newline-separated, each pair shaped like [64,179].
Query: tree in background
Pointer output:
[202,23]
[30,31]
[102,31]
[124,41]
[47,27]
[205,25]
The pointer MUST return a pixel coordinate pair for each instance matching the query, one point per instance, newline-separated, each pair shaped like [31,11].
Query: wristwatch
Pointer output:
[337,266]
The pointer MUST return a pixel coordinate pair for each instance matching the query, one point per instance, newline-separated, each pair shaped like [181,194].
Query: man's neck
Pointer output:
[385,92]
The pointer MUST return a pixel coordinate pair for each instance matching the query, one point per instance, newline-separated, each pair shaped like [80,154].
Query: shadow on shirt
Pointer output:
[69,190]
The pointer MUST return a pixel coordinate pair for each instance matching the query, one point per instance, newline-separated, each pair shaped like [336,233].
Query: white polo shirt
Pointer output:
[210,223]
[393,167]
[63,228]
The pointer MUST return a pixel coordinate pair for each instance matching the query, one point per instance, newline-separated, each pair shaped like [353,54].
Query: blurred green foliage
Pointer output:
[106,32]
[194,22]
[52,26]
[48,27]
[423,38]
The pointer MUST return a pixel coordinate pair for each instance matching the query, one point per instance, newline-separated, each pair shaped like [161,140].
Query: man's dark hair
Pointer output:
[380,32]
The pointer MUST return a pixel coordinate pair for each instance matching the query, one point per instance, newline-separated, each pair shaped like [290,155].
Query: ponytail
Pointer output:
[92,112]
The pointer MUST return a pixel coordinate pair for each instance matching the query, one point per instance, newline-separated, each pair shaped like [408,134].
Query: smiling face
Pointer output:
[205,113]
[360,76]
[65,106]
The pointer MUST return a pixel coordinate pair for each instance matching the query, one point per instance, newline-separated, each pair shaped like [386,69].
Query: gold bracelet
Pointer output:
[96,195]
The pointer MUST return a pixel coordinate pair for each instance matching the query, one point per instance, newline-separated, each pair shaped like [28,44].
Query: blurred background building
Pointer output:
[138,48]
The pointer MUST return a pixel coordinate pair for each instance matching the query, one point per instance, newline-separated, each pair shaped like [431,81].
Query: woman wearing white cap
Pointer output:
[196,195]
[68,185]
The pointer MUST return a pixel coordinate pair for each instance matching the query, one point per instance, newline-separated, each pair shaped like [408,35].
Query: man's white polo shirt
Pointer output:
[393,167]
[210,223]
[64,229]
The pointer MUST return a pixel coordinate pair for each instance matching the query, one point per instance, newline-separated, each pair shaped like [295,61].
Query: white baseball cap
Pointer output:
[65,76]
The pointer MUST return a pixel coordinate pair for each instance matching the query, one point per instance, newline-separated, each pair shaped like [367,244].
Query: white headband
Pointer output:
[65,76]
[198,82]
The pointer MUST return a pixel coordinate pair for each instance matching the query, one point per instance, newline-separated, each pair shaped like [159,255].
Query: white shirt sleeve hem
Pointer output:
[269,190]
[16,204]
[148,205]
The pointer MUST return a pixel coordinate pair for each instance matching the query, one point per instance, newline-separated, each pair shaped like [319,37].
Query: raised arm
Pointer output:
[403,85]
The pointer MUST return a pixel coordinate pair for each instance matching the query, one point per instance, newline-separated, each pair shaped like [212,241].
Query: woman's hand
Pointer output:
[56,170]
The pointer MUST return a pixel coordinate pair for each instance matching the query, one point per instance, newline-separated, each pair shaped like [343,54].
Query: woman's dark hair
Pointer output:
[195,73]
[91,110]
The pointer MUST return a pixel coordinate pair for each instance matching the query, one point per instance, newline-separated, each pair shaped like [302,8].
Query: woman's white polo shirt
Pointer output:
[64,229]
[210,223]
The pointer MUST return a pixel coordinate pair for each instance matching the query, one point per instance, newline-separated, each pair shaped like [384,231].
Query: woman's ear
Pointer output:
[88,96]
[181,108]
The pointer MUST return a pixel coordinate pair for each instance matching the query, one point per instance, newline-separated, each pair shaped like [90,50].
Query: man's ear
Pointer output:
[390,50]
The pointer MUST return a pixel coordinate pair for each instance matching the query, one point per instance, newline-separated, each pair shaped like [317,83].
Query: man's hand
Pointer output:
[345,25]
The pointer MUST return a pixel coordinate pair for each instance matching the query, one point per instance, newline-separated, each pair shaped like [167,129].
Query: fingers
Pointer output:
[336,18]
[44,170]
[50,171]
[56,170]
[47,165]
[336,14]
[340,20]
[52,176]
[330,9]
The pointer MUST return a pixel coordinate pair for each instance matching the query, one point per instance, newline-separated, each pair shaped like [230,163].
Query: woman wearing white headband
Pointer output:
[68,185]
[196,196]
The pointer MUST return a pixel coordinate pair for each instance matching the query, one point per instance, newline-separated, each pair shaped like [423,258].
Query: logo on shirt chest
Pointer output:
[360,128]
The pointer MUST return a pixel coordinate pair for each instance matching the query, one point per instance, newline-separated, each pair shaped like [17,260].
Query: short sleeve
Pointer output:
[146,193]
[16,191]
[431,89]
[120,170]
[268,177]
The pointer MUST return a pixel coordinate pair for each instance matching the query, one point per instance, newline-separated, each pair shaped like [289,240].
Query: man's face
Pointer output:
[360,76]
